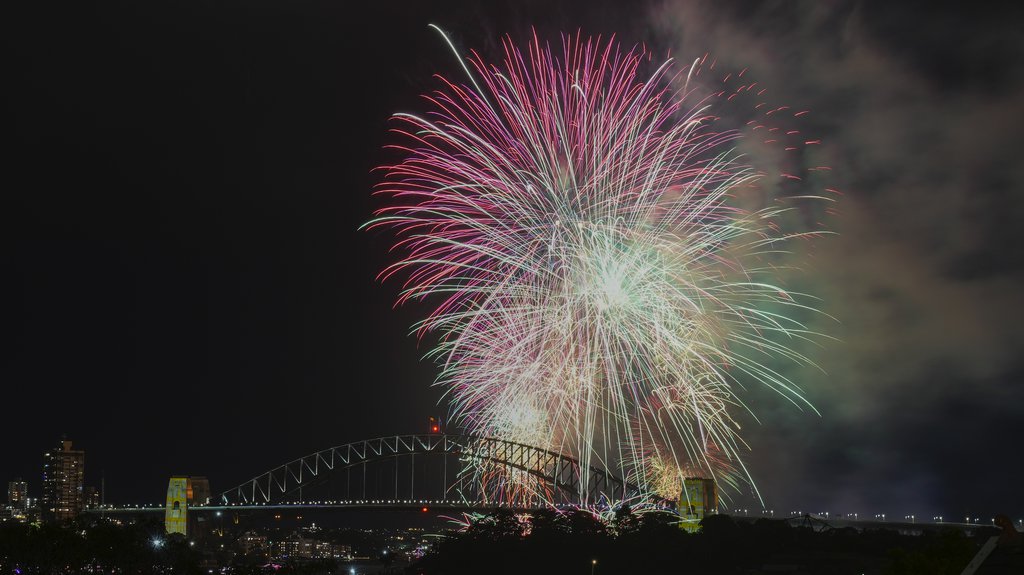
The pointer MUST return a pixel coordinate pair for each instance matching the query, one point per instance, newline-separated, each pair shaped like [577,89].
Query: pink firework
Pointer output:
[581,226]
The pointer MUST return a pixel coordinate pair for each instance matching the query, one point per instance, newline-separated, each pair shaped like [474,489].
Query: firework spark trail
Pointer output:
[599,291]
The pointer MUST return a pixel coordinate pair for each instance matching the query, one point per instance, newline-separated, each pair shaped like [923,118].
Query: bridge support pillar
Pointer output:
[179,491]
[698,499]
[183,491]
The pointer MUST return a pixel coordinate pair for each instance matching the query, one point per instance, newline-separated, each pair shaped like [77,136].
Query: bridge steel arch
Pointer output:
[593,485]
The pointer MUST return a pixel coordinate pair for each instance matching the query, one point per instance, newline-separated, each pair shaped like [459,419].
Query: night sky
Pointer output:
[186,289]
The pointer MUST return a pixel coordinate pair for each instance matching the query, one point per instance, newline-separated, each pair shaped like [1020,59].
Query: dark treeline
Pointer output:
[89,545]
[94,546]
[506,542]
[569,543]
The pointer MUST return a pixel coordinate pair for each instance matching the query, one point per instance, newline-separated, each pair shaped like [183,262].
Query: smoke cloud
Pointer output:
[920,117]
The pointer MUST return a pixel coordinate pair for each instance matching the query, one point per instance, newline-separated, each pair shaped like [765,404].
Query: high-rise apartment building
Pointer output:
[63,482]
[17,494]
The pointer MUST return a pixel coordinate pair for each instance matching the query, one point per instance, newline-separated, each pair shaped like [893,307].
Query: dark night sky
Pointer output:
[186,289]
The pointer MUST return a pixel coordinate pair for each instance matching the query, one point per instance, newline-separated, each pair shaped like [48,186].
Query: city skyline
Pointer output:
[193,294]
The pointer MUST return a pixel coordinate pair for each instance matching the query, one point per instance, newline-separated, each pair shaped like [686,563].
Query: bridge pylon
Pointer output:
[183,491]
[699,498]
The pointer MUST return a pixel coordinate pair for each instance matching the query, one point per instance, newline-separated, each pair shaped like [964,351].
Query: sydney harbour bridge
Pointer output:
[429,471]
[456,472]
[437,468]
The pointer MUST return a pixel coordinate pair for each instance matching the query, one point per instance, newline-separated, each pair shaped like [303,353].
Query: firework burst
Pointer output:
[598,288]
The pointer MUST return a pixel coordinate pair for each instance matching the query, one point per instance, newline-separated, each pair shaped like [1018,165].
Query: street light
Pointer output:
[593,564]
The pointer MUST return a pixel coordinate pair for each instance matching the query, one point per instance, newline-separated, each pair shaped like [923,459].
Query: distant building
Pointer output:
[17,494]
[252,543]
[31,512]
[63,483]
[91,497]
[295,546]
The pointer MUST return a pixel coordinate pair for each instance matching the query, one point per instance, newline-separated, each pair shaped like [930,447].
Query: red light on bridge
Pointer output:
[435,425]
[424,509]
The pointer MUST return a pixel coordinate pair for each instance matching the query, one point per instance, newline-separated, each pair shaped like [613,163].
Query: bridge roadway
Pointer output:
[431,505]
[817,522]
